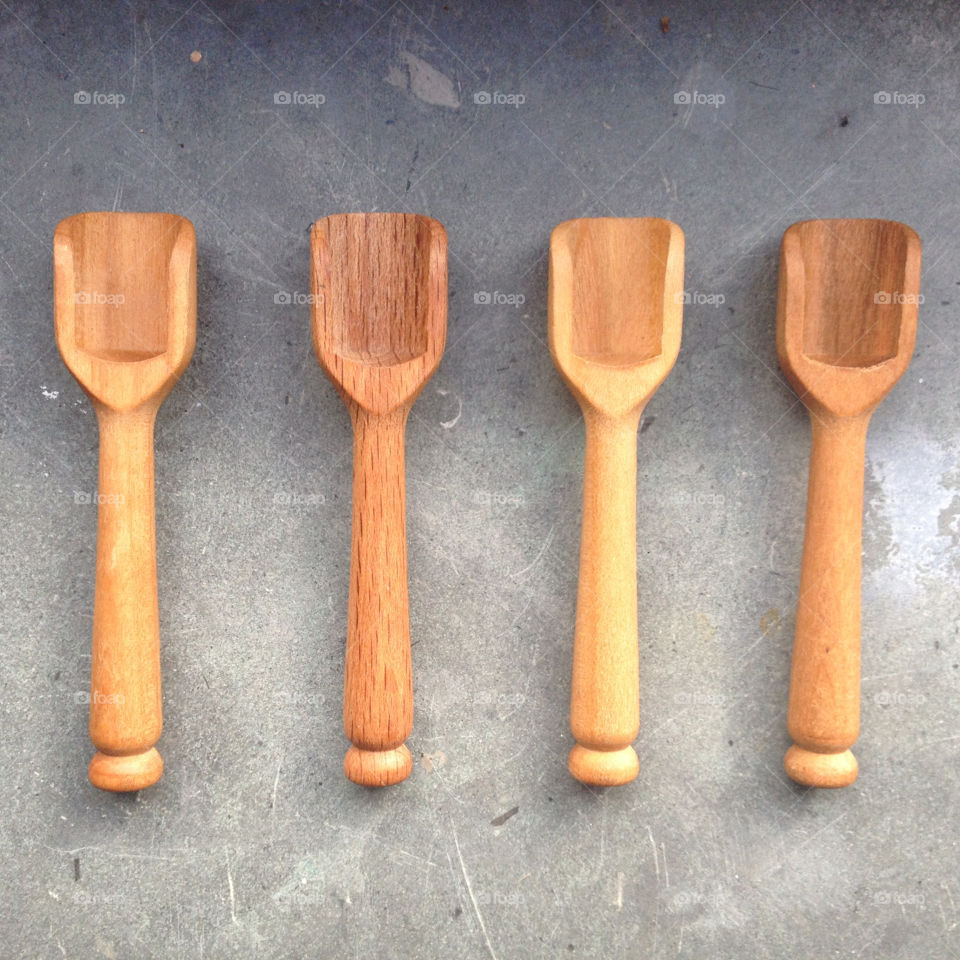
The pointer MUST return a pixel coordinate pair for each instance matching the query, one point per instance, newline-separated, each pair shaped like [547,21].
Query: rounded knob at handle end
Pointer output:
[126,773]
[813,769]
[603,768]
[378,768]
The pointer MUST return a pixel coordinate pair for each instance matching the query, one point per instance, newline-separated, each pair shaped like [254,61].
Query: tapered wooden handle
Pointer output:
[378,687]
[824,713]
[125,710]
[605,696]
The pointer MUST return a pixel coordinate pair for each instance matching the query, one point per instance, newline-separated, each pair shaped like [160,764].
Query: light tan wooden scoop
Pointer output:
[125,308]
[379,325]
[616,292]
[846,324]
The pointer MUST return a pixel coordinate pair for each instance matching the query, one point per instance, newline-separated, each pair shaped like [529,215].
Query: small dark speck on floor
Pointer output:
[504,817]
[76,869]
[844,121]
[458,911]
[729,743]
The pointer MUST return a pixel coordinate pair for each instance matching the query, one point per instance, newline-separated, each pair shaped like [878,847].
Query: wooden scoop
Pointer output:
[846,324]
[379,325]
[125,308]
[616,294]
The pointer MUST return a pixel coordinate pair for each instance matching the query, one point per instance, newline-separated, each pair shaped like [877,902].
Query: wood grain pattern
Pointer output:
[846,325]
[615,312]
[125,317]
[379,325]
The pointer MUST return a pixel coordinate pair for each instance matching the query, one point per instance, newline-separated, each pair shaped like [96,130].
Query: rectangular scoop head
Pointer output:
[855,285]
[616,284]
[117,278]
[380,286]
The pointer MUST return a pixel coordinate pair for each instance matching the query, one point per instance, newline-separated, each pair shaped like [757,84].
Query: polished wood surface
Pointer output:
[615,310]
[125,301]
[846,324]
[379,325]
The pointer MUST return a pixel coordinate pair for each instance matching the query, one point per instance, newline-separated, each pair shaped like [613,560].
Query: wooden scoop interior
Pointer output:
[847,310]
[618,291]
[125,302]
[379,281]
[851,275]
[616,287]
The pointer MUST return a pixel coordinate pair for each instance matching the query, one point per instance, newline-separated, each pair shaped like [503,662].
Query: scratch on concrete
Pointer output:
[656,859]
[276,783]
[118,195]
[233,899]
[368,835]
[119,854]
[804,842]
[473,899]
[538,557]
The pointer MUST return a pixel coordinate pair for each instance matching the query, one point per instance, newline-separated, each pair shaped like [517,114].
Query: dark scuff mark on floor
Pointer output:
[504,817]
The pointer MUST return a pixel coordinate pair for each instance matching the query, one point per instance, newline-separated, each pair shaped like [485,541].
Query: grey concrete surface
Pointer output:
[253,844]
